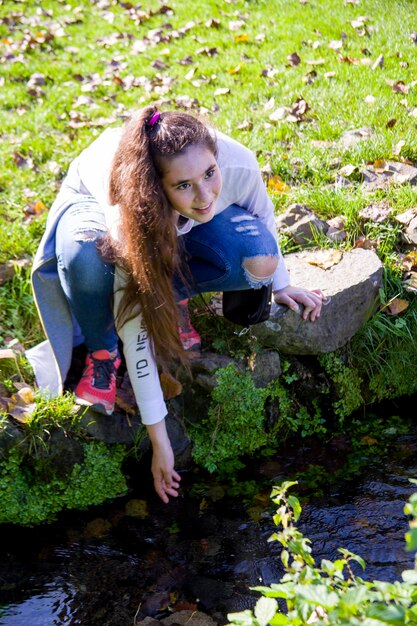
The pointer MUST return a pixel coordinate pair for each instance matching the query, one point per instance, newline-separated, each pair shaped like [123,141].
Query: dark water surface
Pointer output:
[204,550]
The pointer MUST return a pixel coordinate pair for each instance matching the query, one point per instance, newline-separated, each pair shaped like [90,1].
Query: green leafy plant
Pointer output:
[235,422]
[347,382]
[26,500]
[329,593]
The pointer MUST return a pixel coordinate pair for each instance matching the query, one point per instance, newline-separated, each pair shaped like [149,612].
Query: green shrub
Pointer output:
[26,500]
[235,423]
[347,383]
[330,593]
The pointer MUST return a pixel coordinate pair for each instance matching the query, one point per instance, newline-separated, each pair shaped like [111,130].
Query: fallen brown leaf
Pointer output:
[377,212]
[293,59]
[379,62]
[7,353]
[396,306]
[222,91]
[409,262]
[315,62]
[336,44]
[410,284]
[213,23]
[236,25]
[349,59]
[365,243]
[22,161]
[348,170]
[400,87]
[246,125]
[36,207]
[398,147]
[325,258]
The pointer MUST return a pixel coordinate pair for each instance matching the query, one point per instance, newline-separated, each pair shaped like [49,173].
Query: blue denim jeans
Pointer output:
[214,253]
[213,257]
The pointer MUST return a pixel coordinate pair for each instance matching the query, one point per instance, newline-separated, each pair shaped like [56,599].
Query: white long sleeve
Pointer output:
[141,366]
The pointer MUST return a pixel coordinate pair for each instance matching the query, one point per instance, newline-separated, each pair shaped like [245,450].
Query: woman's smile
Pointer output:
[192,182]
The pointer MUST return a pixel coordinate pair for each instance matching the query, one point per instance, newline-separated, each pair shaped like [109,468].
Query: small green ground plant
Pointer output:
[49,464]
[236,424]
[329,593]
[26,499]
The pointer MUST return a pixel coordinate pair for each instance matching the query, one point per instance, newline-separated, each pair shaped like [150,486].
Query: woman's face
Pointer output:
[192,182]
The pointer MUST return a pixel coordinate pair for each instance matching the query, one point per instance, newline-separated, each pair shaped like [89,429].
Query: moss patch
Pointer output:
[27,500]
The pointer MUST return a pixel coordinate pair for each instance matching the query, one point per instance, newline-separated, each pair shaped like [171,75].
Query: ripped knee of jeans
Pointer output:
[259,270]
[89,235]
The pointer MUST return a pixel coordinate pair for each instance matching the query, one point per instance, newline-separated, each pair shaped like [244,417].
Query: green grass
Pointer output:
[87,51]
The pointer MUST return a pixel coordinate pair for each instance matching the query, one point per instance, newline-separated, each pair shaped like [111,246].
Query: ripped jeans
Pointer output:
[214,253]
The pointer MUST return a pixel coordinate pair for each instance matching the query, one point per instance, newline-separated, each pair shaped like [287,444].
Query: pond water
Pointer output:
[106,566]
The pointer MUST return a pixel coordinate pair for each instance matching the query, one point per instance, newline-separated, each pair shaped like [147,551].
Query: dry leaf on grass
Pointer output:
[406,217]
[410,284]
[378,212]
[409,262]
[222,91]
[325,258]
[348,170]
[294,59]
[277,185]
[241,38]
[400,87]
[396,306]
[365,243]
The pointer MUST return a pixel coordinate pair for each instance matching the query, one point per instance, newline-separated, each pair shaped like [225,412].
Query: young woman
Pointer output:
[180,209]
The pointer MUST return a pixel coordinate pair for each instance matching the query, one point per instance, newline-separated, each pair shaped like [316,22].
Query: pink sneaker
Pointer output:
[98,382]
[190,338]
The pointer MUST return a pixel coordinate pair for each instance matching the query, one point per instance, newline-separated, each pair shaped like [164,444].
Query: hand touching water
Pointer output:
[166,480]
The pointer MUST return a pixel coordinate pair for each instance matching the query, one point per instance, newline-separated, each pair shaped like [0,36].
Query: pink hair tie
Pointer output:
[154,119]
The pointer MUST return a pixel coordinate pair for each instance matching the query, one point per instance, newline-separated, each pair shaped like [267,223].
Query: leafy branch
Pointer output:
[330,593]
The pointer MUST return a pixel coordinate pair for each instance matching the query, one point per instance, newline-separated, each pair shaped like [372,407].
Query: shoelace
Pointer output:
[102,373]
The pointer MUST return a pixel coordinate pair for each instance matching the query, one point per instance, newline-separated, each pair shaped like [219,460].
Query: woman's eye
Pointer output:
[183,186]
[210,173]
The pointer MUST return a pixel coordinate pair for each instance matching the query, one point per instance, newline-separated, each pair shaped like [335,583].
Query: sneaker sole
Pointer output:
[96,406]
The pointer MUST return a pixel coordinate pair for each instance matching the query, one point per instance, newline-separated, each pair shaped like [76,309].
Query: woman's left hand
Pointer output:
[166,480]
[292,297]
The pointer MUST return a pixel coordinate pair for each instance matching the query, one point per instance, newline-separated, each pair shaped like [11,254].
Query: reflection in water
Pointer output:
[98,568]
[51,606]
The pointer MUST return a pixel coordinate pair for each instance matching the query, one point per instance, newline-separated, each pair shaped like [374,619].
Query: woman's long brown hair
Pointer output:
[148,246]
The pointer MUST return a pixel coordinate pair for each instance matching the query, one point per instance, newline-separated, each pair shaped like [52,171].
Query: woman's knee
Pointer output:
[260,269]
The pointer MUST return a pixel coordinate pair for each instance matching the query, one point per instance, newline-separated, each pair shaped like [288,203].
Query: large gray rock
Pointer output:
[353,288]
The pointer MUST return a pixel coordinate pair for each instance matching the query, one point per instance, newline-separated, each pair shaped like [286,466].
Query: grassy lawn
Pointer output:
[69,69]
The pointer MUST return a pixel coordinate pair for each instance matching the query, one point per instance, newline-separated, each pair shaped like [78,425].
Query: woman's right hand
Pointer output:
[166,480]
